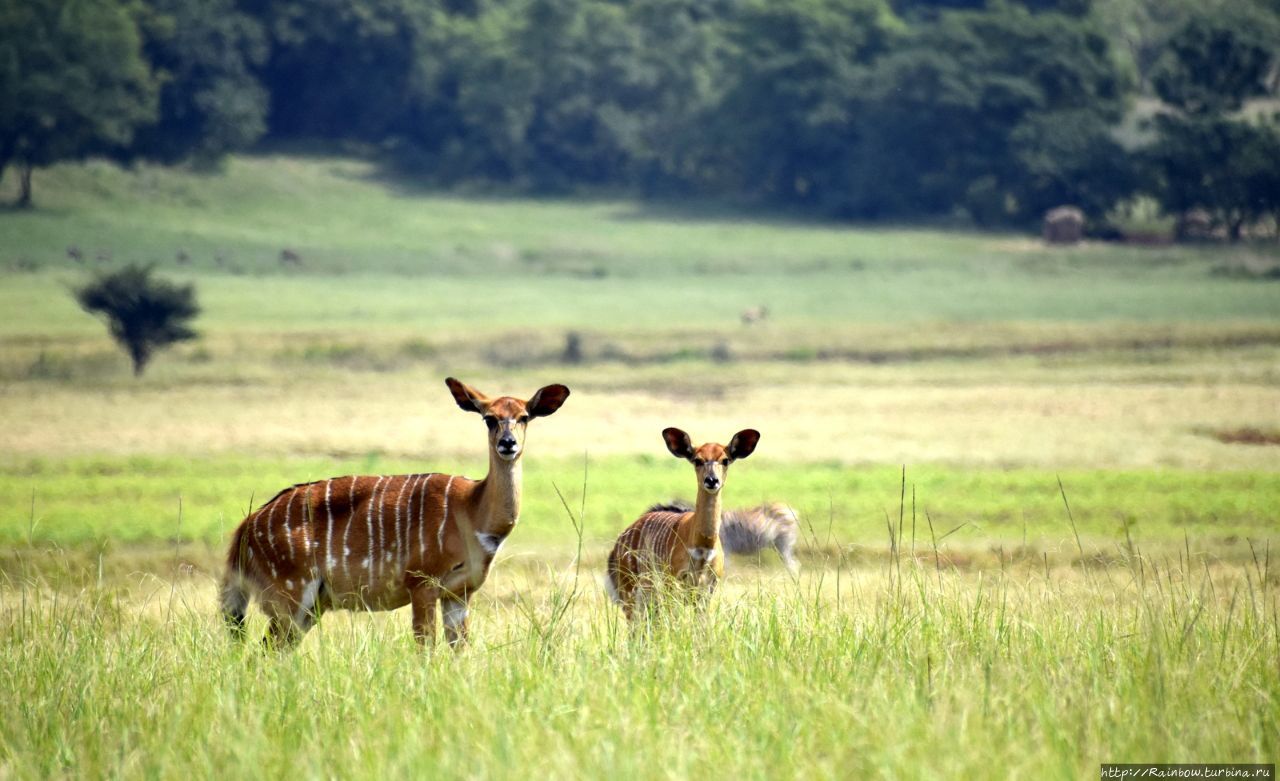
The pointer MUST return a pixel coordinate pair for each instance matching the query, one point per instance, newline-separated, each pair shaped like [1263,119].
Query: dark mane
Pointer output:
[673,506]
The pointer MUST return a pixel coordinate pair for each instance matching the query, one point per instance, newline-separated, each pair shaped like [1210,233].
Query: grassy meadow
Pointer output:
[1040,487]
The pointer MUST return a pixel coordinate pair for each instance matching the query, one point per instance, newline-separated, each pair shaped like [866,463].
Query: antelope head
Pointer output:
[711,461]
[507,417]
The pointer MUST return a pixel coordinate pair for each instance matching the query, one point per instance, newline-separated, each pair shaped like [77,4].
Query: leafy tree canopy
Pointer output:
[203,52]
[1218,60]
[72,80]
[143,314]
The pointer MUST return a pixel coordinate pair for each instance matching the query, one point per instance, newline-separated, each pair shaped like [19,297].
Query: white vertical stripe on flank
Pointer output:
[399,515]
[368,518]
[409,525]
[288,533]
[403,559]
[444,513]
[422,520]
[328,540]
[307,553]
[271,534]
[351,517]
[380,529]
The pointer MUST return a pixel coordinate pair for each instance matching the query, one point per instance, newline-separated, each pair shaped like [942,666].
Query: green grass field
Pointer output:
[1011,639]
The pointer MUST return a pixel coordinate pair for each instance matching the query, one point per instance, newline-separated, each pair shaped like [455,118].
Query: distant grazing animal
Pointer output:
[182,257]
[75,253]
[382,542]
[680,548]
[749,530]
[103,256]
[755,314]
[289,257]
[1063,225]
[1194,225]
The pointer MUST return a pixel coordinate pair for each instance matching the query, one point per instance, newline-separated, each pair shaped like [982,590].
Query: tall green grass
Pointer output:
[906,673]
[955,622]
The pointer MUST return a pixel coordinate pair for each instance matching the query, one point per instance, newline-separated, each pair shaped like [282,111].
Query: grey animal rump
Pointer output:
[747,531]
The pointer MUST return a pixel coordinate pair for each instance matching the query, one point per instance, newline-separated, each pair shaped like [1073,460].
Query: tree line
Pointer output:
[991,111]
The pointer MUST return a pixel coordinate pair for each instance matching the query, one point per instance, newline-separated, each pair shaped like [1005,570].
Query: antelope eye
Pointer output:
[524,419]
[724,462]
[698,462]
[491,422]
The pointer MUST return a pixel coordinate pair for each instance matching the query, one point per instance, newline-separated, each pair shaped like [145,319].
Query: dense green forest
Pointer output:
[987,111]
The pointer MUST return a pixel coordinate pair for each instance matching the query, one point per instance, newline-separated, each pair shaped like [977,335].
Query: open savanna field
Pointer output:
[1040,488]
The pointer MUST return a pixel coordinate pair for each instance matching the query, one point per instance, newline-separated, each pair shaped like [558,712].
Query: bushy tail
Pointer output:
[235,598]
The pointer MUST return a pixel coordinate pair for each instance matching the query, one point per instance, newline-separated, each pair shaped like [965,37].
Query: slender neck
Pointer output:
[704,524]
[498,495]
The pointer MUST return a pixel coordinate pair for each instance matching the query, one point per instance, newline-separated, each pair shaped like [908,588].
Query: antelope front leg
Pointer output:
[704,589]
[455,619]
[423,598]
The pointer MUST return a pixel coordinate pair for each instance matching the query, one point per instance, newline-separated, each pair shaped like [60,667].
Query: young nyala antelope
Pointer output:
[681,548]
[382,542]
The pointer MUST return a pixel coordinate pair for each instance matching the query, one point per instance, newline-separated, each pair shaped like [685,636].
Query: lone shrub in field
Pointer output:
[143,314]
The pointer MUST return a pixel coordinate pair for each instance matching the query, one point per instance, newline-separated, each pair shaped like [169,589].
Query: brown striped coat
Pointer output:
[379,542]
[677,550]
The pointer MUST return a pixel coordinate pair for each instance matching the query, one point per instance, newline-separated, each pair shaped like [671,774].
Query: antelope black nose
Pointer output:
[507,443]
[711,482]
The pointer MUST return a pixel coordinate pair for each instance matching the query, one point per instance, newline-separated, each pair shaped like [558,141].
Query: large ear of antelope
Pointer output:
[681,549]
[379,542]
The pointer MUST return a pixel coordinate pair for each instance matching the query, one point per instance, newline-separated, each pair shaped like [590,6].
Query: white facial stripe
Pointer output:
[490,542]
[507,428]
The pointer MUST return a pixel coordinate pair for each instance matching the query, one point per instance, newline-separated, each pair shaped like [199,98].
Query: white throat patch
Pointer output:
[702,555]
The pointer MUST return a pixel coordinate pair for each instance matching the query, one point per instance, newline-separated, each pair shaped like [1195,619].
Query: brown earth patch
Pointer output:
[1247,435]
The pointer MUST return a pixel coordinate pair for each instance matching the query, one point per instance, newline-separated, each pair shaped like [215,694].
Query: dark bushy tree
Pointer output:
[72,80]
[203,52]
[1207,155]
[549,94]
[1217,60]
[971,112]
[342,69]
[787,120]
[143,314]
[1226,166]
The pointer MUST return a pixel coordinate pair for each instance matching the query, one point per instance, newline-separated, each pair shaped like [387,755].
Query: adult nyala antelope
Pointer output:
[381,542]
[748,530]
[680,547]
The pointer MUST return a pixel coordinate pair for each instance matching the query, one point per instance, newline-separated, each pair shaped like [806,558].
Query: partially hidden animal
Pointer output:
[678,549]
[379,542]
[746,531]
